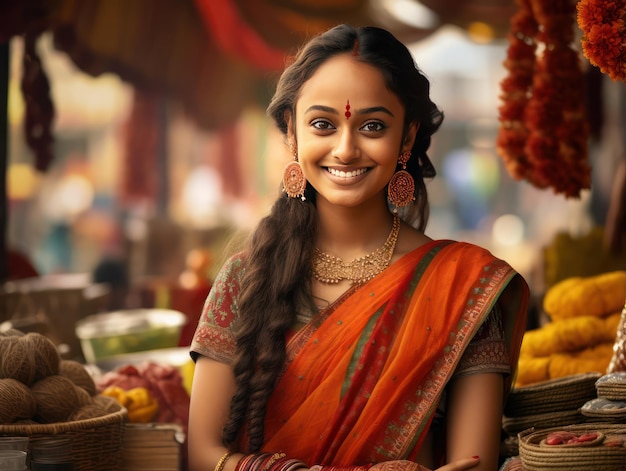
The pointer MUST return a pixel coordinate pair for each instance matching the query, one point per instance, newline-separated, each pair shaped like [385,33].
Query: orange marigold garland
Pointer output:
[543,130]
[602,24]
[516,87]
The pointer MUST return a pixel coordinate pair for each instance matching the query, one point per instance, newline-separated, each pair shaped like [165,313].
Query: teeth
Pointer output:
[342,174]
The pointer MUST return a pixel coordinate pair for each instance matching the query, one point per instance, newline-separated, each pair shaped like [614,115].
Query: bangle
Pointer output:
[288,464]
[243,463]
[252,462]
[220,464]
[267,466]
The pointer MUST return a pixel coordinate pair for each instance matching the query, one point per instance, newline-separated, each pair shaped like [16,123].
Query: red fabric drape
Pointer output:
[234,36]
[229,163]
[214,56]
[139,167]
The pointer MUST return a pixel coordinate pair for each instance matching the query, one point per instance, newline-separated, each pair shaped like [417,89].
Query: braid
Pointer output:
[277,266]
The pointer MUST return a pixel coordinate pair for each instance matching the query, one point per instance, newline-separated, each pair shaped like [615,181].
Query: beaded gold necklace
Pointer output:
[330,269]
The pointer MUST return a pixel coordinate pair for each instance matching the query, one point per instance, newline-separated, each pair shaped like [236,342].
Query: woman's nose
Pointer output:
[346,148]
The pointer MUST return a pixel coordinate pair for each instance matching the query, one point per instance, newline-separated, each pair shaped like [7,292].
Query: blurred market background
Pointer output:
[136,146]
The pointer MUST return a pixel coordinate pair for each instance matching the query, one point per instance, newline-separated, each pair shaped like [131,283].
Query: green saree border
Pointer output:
[421,410]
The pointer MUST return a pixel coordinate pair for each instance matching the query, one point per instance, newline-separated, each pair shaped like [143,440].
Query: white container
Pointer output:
[14,443]
[126,331]
[12,460]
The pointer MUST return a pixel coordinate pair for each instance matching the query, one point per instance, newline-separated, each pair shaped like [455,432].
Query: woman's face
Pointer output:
[349,132]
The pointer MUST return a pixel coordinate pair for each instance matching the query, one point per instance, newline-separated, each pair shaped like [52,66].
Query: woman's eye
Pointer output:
[373,126]
[322,125]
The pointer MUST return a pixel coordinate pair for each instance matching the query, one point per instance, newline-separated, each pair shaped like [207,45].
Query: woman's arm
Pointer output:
[211,393]
[212,390]
[474,419]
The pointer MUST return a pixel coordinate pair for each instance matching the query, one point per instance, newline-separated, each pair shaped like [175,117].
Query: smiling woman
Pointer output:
[349,152]
[342,335]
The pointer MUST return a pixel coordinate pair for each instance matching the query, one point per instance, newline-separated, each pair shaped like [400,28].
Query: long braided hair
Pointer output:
[278,258]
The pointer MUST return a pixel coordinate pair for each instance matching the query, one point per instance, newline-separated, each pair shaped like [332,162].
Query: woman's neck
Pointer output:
[352,232]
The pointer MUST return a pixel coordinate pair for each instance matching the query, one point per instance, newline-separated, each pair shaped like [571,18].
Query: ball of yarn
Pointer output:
[11,332]
[108,403]
[45,353]
[84,398]
[79,375]
[17,360]
[88,411]
[16,401]
[56,399]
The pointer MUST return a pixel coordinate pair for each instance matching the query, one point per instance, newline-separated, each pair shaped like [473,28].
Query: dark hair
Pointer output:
[377,47]
[278,259]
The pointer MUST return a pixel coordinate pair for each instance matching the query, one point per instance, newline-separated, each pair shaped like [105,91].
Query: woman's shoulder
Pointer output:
[461,251]
[474,257]
[411,239]
[468,250]
[233,266]
[227,279]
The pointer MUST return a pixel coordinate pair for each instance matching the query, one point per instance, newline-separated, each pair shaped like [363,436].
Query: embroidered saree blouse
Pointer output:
[214,337]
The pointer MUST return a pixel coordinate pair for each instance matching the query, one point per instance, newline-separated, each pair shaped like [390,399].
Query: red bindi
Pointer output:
[347,113]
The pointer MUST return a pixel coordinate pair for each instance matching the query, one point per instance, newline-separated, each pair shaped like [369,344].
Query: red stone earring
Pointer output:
[401,188]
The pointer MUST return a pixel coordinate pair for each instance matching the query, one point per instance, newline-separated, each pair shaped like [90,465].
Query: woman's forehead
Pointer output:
[343,78]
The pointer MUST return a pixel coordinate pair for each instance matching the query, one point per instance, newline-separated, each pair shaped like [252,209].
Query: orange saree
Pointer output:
[364,378]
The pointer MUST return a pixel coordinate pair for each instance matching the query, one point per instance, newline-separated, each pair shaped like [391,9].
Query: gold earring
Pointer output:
[294,182]
[401,187]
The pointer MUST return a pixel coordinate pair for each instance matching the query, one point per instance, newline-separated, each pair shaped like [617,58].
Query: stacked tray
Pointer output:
[610,404]
[549,403]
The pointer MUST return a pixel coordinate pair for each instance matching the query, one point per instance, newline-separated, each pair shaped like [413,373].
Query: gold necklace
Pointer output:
[330,269]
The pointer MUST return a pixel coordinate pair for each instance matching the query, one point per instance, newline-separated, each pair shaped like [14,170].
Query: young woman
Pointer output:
[343,336]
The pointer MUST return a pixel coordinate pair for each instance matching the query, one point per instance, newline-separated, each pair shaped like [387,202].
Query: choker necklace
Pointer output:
[331,270]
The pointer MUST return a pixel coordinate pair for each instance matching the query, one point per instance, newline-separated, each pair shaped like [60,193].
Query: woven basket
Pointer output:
[536,456]
[96,442]
[515,425]
[614,393]
[554,395]
[602,409]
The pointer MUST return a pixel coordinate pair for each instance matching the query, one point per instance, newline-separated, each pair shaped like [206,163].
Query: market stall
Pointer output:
[560,414]
[74,416]
[130,393]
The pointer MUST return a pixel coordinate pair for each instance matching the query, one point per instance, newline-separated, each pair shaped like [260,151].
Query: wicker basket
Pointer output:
[536,456]
[602,410]
[515,425]
[96,443]
[554,395]
[614,393]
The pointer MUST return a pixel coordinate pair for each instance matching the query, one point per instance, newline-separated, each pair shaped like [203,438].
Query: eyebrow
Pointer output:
[328,109]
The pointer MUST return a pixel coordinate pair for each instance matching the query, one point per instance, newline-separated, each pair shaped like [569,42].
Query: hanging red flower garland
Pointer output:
[516,87]
[543,129]
[602,24]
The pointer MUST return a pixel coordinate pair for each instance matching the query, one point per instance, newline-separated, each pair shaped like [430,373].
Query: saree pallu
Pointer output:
[363,380]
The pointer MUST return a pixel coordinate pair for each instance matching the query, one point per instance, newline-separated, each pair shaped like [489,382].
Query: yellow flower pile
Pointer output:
[584,314]
[141,405]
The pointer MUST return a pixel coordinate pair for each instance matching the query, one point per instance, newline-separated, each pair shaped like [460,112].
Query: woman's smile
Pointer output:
[343,176]
[348,159]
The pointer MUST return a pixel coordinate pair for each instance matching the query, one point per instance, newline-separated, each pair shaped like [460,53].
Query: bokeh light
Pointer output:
[21,181]
[508,230]
[201,196]
[71,195]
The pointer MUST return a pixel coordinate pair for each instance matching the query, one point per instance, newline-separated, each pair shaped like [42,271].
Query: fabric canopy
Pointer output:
[214,56]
